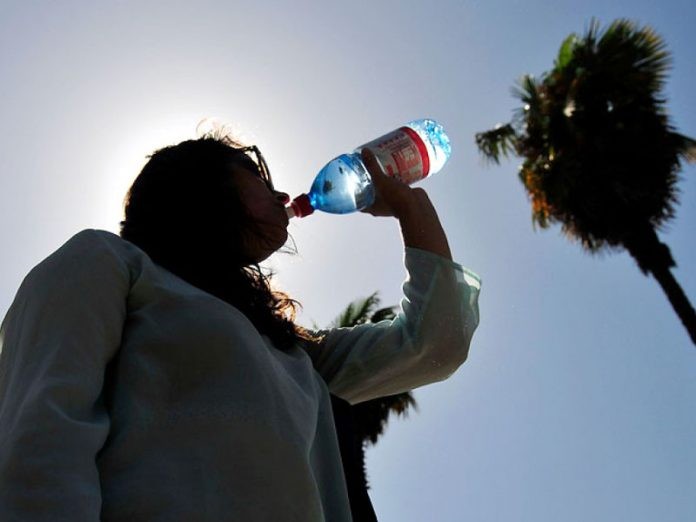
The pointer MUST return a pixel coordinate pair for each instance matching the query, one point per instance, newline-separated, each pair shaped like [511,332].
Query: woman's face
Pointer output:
[265,210]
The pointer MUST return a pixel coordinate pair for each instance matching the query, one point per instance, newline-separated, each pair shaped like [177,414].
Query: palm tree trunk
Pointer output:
[353,458]
[678,298]
[655,257]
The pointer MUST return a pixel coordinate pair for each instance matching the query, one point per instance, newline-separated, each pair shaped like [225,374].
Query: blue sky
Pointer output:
[577,400]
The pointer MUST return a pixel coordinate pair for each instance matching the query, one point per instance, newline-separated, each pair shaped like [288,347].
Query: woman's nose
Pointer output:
[282,197]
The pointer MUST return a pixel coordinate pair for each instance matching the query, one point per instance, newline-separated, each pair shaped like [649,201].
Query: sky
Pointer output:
[577,400]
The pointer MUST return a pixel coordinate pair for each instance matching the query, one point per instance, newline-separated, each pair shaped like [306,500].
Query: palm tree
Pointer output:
[371,416]
[362,424]
[600,156]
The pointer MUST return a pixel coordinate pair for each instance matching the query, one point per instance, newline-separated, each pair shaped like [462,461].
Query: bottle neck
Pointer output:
[300,207]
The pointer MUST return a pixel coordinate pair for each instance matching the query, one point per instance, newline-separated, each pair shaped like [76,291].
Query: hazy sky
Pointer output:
[577,401]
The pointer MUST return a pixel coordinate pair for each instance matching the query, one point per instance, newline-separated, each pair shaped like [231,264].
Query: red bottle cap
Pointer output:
[301,206]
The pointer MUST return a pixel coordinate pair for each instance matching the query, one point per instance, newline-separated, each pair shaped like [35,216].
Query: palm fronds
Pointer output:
[598,151]
[498,142]
[357,312]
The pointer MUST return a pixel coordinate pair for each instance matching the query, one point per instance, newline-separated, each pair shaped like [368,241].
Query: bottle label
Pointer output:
[402,155]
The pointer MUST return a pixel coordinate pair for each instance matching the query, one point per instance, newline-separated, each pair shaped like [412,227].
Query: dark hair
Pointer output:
[185,214]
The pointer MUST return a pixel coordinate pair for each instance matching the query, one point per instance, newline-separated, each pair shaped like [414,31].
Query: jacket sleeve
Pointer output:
[426,342]
[56,339]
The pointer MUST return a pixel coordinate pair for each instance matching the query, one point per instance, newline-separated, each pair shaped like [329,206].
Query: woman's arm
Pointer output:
[420,225]
[429,338]
[426,342]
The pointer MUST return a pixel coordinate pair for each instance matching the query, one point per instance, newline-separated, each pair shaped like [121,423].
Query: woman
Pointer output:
[157,377]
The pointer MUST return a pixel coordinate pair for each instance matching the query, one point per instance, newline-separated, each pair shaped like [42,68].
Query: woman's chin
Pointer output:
[264,252]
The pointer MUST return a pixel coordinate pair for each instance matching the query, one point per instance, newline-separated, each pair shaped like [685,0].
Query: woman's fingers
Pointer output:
[391,195]
[370,161]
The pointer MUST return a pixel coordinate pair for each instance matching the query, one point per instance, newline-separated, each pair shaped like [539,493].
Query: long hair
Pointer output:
[183,210]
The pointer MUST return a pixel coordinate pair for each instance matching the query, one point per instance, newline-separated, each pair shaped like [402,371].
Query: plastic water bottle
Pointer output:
[410,153]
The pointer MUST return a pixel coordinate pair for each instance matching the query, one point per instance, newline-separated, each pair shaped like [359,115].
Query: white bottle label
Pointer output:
[402,155]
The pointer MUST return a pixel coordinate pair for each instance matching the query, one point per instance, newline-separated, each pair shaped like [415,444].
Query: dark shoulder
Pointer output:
[91,241]
[94,238]
[90,265]
[92,253]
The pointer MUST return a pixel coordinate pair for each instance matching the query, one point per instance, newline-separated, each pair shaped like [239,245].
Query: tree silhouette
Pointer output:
[371,416]
[600,156]
[362,424]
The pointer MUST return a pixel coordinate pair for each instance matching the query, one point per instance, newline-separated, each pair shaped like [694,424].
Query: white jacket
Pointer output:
[127,394]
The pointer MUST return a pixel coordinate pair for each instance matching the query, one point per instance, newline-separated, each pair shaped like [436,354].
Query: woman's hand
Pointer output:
[392,197]
[420,225]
